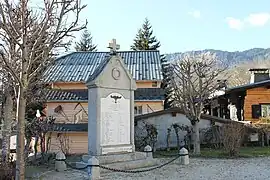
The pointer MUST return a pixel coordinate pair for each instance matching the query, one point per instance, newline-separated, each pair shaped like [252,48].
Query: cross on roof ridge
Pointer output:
[113,46]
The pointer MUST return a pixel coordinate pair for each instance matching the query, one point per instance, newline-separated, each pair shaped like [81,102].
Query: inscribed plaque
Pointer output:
[115,120]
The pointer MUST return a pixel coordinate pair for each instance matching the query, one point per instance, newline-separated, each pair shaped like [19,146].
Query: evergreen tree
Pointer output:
[166,83]
[144,39]
[86,44]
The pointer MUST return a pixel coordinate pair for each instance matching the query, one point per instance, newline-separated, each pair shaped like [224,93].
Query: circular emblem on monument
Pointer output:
[116,73]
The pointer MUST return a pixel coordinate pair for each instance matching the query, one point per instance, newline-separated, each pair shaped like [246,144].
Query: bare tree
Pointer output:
[7,83]
[8,48]
[193,80]
[30,28]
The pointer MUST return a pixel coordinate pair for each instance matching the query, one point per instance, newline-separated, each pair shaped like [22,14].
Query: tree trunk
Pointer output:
[168,139]
[6,132]
[20,163]
[196,139]
[48,142]
[42,144]
[177,138]
[267,138]
[36,146]
[262,138]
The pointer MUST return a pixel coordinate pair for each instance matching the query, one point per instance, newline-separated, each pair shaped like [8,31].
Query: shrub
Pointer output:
[213,137]
[233,136]
[149,137]
[187,137]
[7,170]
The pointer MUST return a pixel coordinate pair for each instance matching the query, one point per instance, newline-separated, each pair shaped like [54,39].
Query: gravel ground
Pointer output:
[198,169]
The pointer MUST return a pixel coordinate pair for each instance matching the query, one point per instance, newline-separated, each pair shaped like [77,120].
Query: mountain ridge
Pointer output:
[230,57]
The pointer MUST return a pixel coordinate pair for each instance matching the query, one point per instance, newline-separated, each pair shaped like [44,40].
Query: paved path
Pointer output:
[198,169]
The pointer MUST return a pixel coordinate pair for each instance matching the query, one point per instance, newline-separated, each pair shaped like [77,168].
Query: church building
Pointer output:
[67,100]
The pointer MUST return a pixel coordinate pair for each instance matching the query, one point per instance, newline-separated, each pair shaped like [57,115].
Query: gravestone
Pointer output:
[111,107]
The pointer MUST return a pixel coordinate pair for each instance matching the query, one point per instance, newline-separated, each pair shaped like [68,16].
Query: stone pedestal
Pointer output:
[148,151]
[184,159]
[60,164]
[93,172]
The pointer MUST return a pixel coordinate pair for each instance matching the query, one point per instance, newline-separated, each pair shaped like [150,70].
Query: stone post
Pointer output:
[148,150]
[60,164]
[93,171]
[184,157]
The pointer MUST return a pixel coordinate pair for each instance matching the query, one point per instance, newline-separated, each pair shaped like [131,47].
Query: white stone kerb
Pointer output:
[184,157]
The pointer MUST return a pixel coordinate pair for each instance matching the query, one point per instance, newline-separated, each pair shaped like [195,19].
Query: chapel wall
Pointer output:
[75,142]
[71,112]
[81,85]
[162,123]
[150,106]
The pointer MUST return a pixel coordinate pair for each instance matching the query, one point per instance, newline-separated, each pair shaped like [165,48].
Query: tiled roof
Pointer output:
[141,94]
[67,95]
[149,94]
[98,69]
[83,127]
[79,66]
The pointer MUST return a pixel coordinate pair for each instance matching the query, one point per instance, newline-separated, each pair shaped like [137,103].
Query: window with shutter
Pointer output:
[265,110]
[256,111]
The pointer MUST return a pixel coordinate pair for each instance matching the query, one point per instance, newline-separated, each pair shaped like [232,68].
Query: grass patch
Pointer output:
[246,152]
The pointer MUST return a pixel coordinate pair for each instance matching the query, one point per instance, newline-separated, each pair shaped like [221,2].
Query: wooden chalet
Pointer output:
[247,102]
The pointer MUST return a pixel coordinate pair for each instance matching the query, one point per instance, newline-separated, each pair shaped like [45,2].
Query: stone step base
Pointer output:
[114,158]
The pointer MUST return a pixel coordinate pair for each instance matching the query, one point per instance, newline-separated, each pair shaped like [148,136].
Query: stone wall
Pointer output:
[163,120]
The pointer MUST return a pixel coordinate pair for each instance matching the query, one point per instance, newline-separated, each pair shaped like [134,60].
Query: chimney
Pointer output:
[259,74]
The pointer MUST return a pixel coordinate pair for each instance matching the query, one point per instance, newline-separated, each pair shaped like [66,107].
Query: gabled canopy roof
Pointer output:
[81,95]
[245,87]
[79,66]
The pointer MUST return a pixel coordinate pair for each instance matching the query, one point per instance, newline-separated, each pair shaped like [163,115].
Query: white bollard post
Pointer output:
[60,164]
[93,171]
[184,157]
[148,150]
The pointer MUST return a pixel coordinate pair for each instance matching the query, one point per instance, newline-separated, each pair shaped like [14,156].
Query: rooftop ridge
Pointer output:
[79,66]
[61,57]
[117,51]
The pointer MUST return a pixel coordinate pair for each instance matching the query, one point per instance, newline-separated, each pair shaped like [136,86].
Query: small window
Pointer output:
[256,111]
[137,110]
[154,84]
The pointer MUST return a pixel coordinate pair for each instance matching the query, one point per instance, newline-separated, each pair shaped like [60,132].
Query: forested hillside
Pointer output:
[239,62]
[232,58]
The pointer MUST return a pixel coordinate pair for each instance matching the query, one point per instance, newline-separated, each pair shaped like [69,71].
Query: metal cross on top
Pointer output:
[113,46]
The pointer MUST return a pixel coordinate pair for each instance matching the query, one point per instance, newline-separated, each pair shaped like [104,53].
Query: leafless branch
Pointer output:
[9,68]
[193,80]
[29,38]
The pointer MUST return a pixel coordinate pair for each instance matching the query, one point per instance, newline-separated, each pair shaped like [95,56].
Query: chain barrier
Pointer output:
[139,171]
[168,155]
[121,170]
